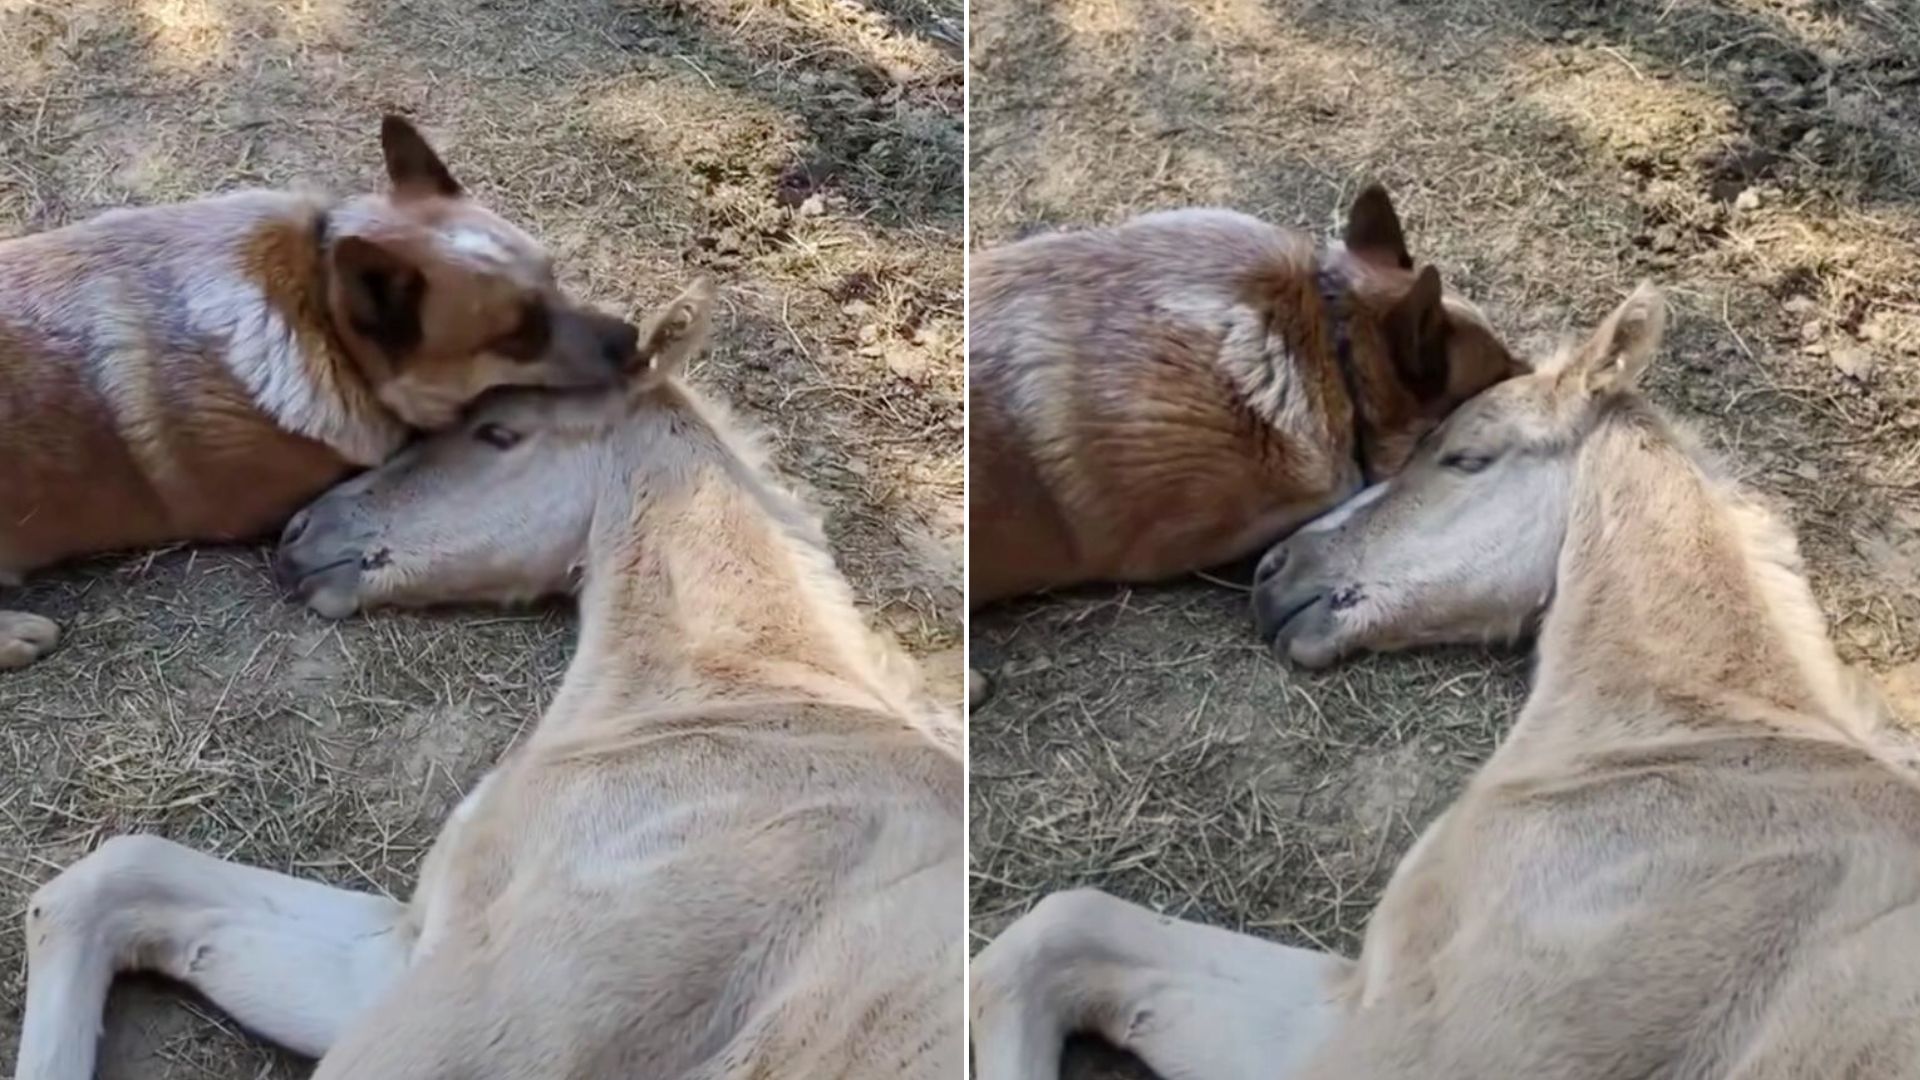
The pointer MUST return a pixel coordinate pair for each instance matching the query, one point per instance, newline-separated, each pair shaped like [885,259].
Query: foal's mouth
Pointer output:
[294,575]
[331,588]
[294,578]
[1273,612]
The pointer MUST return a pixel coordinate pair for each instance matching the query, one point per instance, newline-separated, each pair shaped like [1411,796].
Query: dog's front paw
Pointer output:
[25,638]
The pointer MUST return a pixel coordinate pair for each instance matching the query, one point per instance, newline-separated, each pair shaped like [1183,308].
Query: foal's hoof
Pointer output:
[976,689]
[25,638]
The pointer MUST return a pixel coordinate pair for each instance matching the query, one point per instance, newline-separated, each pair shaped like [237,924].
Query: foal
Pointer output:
[1693,856]
[732,847]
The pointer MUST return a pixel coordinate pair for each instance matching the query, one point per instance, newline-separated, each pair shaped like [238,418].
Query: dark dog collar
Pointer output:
[322,236]
[1333,297]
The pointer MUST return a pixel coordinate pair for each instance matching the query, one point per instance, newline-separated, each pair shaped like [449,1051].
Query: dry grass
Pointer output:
[1545,156]
[807,152]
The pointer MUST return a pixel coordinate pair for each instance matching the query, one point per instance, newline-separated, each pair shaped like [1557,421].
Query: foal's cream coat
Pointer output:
[731,848]
[1692,857]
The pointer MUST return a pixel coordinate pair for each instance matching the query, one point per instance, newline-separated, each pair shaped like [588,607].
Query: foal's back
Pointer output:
[761,889]
[1737,904]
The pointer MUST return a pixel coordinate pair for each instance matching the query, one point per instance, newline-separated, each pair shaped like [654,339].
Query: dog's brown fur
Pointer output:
[1165,395]
[198,371]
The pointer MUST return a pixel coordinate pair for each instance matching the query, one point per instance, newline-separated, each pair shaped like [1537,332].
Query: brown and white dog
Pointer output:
[1180,390]
[199,371]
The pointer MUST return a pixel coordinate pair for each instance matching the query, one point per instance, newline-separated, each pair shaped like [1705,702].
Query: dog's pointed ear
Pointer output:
[412,165]
[671,337]
[1614,357]
[1416,329]
[379,293]
[1373,230]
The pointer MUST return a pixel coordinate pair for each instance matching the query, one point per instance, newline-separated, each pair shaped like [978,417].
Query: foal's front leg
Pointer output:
[292,960]
[25,638]
[1194,1002]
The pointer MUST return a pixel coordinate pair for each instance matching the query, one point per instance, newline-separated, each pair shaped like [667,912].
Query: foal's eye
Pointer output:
[496,436]
[1462,461]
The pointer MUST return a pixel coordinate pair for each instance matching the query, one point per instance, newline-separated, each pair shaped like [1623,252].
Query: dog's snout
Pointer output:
[620,344]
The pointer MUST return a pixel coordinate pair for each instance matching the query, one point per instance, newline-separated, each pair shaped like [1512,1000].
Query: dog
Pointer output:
[198,371]
[1181,390]
[1178,391]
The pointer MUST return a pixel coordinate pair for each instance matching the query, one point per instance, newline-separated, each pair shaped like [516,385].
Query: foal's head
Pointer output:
[1463,544]
[498,508]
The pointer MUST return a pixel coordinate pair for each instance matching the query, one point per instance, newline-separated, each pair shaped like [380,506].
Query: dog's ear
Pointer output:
[380,294]
[671,337]
[1416,329]
[412,165]
[1373,230]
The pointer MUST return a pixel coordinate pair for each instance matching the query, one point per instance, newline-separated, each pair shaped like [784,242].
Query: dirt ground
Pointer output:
[807,152]
[1759,158]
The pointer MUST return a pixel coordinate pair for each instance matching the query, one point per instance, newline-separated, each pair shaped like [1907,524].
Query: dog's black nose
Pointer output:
[620,344]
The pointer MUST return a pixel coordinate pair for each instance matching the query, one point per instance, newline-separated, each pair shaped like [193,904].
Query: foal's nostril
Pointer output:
[1270,565]
[297,527]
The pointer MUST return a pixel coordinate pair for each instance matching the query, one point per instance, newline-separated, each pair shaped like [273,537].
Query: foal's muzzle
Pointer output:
[319,566]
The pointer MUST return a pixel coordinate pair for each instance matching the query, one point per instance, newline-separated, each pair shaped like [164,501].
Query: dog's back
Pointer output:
[135,350]
[1120,403]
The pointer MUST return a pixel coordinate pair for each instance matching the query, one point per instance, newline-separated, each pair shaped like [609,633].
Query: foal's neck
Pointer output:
[708,586]
[1680,605]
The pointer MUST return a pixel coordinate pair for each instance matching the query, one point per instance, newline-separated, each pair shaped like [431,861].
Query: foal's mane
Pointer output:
[1771,551]
[886,669]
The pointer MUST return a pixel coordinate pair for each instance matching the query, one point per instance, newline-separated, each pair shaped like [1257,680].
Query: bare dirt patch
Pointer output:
[806,152]
[1760,158]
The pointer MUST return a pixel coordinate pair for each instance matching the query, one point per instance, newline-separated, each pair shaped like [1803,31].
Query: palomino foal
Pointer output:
[731,847]
[1692,856]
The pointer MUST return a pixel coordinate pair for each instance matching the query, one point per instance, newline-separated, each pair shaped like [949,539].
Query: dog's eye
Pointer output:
[1461,461]
[496,436]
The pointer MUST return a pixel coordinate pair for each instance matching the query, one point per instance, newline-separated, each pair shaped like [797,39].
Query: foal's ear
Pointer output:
[1613,359]
[1373,230]
[674,335]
